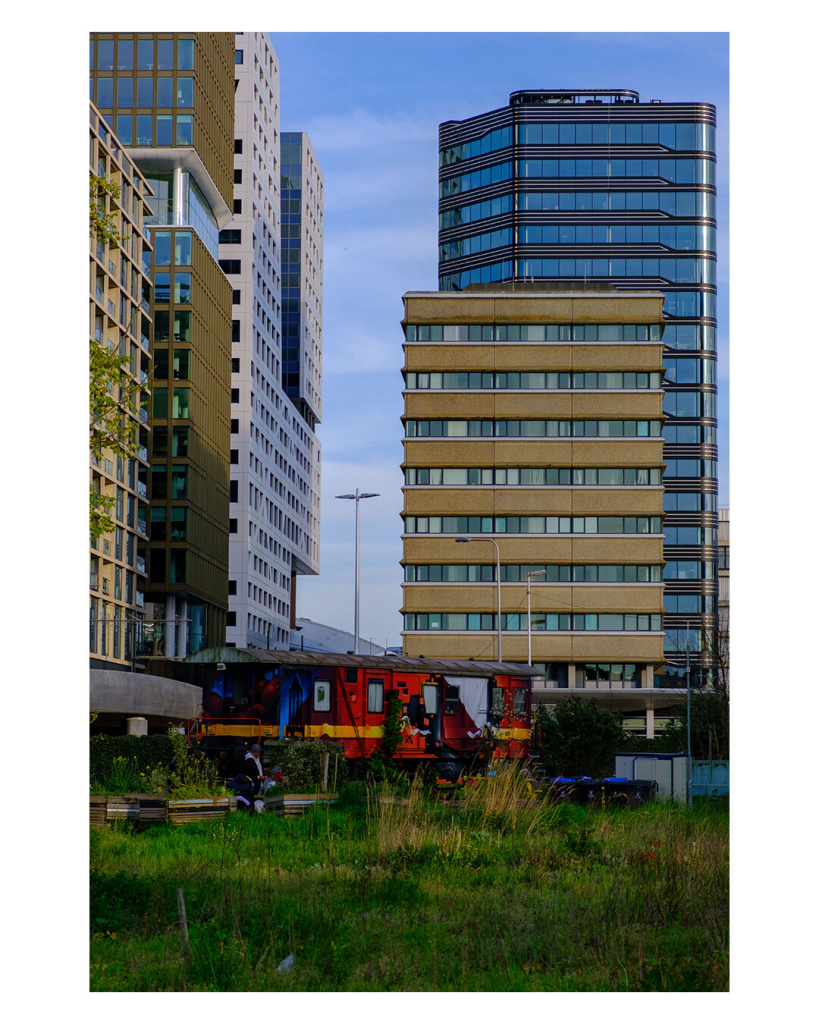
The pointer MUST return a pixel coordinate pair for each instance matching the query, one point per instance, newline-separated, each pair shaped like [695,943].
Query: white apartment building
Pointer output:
[275,457]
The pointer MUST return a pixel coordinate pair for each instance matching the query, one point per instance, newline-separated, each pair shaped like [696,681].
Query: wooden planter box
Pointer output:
[200,809]
[98,805]
[297,803]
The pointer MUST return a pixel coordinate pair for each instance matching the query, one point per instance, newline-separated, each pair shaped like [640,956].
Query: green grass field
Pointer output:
[382,893]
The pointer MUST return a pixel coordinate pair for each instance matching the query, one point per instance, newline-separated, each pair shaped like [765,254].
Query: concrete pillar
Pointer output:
[182,628]
[170,626]
[292,601]
[570,676]
[179,211]
[649,723]
[136,726]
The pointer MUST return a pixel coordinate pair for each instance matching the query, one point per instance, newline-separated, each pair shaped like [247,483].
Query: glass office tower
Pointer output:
[580,187]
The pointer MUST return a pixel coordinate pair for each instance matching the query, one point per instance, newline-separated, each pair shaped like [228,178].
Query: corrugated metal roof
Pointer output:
[392,663]
[315,636]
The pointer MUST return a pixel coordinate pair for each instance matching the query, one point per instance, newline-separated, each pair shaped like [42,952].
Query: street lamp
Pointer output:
[356,498]
[689,775]
[529,575]
[488,540]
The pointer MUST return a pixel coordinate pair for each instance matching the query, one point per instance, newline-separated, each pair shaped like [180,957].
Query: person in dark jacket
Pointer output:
[252,767]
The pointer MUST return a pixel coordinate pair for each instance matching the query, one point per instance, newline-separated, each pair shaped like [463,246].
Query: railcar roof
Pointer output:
[391,663]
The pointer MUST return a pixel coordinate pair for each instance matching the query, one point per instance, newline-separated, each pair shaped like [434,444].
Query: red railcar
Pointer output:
[458,714]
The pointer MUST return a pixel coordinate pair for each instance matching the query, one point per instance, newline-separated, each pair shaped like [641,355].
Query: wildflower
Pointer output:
[651,842]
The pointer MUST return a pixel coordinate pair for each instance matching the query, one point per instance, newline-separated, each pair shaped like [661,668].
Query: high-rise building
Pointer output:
[272,255]
[571,186]
[533,431]
[169,96]
[120,322]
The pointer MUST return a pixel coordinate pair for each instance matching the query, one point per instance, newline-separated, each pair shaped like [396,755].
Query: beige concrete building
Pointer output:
[119,321]
[533,427]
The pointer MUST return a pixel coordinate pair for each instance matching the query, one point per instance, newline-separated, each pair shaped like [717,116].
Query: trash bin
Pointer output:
[589,792]
[619,792]
[562,789]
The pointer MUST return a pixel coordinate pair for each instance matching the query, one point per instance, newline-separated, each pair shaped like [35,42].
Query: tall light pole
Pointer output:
[488,540]
[357,497]
[689,773]
[529,575]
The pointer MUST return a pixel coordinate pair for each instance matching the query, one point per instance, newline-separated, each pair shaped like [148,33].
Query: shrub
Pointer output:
[578,738]
[139,754]
[302,762]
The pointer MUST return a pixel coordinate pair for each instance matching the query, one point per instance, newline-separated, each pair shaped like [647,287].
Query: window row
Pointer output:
[181,364]
[475,244]
[532,428]
[685,171]
[690,468]
[178,565]
[675,204]
[518,573]
[689,136]
[533,332]
[690,535]
[500,138]
[147,92]
[530,476]
[181,287]
[180,330]
[690,371]
[534,524]
[548,621]
[689,604]
[687,570]
[181,248]
[673,236]
[687,502]
[678,641]
[690,337]
[477,179]
[174,529]
[475,212]
[690,404]
[534,380]
[689,434]
[180,405]
[178,482]
[150,55]
[155,130]
[678,270]
[179,442]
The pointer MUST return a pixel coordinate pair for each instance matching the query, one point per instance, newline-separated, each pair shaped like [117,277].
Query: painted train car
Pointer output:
[459,714]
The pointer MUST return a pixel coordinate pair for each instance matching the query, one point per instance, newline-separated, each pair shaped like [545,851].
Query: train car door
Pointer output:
[373,709]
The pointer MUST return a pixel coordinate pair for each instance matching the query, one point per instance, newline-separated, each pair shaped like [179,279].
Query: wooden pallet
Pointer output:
[182,811]
[97,811]
[122,808]
[296,804]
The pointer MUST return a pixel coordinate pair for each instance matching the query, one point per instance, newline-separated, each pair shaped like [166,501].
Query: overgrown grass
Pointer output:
[391,890]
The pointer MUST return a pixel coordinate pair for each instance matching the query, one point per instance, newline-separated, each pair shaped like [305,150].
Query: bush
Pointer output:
[302,762]
[578,738]
[141,754]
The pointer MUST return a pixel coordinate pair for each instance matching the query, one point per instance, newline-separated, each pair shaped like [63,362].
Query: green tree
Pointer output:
[113,393]
[578,737]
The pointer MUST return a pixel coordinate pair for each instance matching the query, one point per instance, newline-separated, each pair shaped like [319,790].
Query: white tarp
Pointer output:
[473,695]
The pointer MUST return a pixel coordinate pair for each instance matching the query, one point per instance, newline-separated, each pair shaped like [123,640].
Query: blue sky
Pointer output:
[372,103]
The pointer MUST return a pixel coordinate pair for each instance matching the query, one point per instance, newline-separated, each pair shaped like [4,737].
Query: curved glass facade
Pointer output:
[582,193]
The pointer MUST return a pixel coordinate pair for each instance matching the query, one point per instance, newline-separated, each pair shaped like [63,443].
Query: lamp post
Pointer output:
[689,774]
[488,540]
[357,497]
[529,575]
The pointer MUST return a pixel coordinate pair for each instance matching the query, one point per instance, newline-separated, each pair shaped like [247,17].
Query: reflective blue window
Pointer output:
[125,129]
[145,55]
[164,54]
[184,92]
[184,129]
[145,130]
[105,91]
[164,92]
[184,60]
[105,56]
[145,92]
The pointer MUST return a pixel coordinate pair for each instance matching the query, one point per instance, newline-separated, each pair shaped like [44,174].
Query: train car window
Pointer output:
[321,695]
[431,698]
[498,702]
[518,701]
[453,700]
[352,675]
[240,694]
[375,695]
